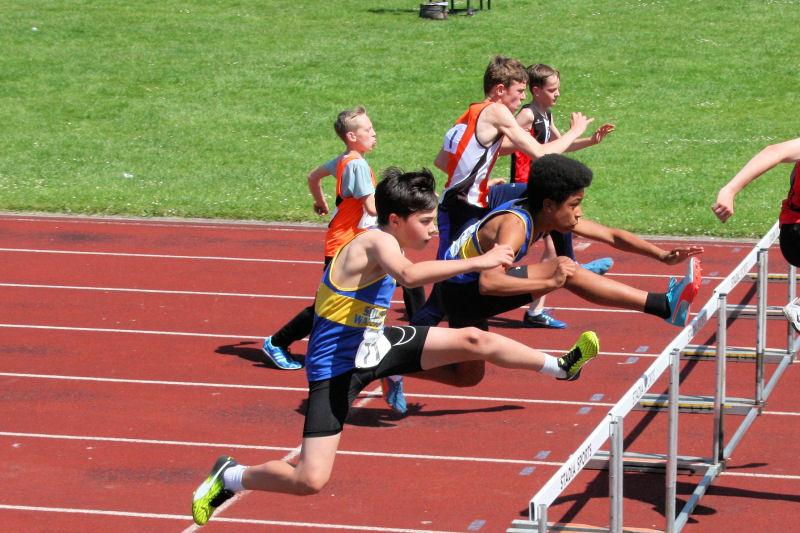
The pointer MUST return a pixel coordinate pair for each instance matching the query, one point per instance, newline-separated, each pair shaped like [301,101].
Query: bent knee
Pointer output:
[476,340]
[312,484]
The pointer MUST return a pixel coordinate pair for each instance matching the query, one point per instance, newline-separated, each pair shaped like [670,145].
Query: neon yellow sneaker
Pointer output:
[584,351]
[211,493]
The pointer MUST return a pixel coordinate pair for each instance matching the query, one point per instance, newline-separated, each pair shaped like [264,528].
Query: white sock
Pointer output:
[534,312]
[232,478]
[551,367]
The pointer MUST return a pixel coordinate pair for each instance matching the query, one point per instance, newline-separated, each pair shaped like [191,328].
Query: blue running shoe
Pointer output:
[279,356]
[680,295]
[542,320]
[211,493]
[392,388]
[584,351]
[599,266]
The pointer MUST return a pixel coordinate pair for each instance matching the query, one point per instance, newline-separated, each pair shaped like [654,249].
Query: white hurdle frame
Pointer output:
[611,427]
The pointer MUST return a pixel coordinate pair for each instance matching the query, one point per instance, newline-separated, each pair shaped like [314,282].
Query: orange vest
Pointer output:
[349,217]
[469,163]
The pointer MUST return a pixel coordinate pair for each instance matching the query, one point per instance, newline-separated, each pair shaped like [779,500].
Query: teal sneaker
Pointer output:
[680,295]
[584,351]
[211,493]
[599,266]
[392,388]
[279,357]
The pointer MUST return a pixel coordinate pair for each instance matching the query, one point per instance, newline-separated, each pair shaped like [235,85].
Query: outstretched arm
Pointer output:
[596,138]
[766,159]
[385,250]
[516,138]
[628,242]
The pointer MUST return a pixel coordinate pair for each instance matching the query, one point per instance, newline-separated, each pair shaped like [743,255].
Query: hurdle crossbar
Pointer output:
[589,453]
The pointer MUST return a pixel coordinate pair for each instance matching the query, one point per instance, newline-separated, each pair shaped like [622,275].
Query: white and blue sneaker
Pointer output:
[279,357]
[599,266]
[392,388]
[680,295]
[542,320]
[211,493]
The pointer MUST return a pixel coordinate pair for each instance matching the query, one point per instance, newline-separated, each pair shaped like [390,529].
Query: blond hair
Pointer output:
[347,121]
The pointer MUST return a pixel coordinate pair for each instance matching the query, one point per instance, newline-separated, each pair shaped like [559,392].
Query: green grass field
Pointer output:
[208,109]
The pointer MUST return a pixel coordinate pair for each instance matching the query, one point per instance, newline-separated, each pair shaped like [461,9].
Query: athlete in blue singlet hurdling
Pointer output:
[350,347]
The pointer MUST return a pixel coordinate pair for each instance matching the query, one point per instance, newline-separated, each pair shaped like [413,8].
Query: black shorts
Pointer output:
[790,243]
[329,400]
[466,306]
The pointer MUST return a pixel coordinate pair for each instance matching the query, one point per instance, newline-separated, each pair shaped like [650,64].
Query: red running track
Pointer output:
[129,360]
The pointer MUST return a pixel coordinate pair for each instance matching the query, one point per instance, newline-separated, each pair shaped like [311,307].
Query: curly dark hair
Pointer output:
[555,177]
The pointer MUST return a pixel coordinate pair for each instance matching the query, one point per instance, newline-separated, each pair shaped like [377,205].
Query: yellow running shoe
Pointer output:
[211,493]
[584,351]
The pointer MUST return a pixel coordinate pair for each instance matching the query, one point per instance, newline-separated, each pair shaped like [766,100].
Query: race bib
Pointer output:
[372,349]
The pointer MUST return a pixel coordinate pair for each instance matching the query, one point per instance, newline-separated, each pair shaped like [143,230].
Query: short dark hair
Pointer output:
[404,193]
[503,70]
[538,74]
[555,177]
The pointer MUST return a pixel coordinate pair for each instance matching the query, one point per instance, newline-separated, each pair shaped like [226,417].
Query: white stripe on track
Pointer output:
[287,458]
[728,473]
[248,225]
[151,291]
[160,256]
[258,337]
[137,331]
[415,457]
[267,260]
[250,521]
[291,451]
[366,395]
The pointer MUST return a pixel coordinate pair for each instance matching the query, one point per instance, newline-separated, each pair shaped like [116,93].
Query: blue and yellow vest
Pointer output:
[342,316]
[468,245]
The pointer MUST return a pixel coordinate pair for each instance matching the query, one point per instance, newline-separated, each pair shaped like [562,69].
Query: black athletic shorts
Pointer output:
[790,243]
[466,306]
[329,400]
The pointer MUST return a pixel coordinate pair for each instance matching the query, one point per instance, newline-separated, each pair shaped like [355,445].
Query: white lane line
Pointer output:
[161,256]
[136,331]
[151,291]
[728,473]
[129,514]
[291,456]
[205,223]
[260,260]
[367,395]
[258,337]
[355,453]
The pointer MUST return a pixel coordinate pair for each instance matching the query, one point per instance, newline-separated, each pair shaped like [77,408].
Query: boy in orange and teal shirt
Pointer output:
[354,211]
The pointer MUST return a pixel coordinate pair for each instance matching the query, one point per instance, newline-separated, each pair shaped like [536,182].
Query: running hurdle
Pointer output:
[617,461]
